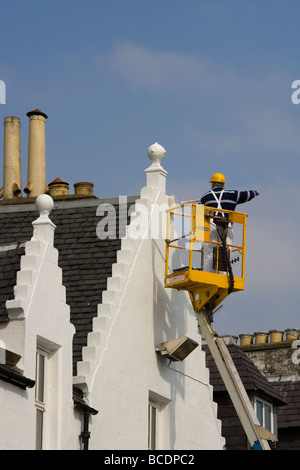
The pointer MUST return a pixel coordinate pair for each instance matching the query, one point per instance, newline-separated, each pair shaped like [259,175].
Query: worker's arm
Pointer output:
[245,196]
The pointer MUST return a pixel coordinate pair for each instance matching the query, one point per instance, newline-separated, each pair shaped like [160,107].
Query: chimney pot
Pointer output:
[246,339]
[84,189]
[58,187]
[36,112]
[276,336]
[261,337]
[11,158]
[291,334]
[36,175]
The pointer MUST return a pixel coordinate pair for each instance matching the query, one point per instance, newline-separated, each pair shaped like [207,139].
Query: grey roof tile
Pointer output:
[253,380]
[9,265]
[289,416]
[86,261]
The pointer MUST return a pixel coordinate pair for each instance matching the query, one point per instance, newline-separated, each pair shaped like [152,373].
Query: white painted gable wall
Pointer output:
[39,315]
[120,366]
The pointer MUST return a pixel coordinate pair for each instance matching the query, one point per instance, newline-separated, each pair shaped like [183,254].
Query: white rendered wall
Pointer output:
[120,366]
[39,315]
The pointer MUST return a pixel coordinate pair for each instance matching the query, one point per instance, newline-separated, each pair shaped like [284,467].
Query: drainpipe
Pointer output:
[85,434]
[87,411]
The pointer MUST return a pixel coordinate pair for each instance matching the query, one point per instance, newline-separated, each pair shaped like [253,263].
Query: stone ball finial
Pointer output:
[44,203]
[156,153]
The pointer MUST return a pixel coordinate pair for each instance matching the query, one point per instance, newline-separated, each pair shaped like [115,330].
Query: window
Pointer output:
[266,414]
[158,422]
[153,410]
[41,363]
[48,392]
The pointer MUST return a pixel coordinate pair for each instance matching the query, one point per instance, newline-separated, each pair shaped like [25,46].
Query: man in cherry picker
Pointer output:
[222,198]
[225,198]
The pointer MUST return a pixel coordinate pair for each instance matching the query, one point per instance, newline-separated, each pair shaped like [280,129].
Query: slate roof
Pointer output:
[253,380]
[86,261]
[289,416]
[9,265]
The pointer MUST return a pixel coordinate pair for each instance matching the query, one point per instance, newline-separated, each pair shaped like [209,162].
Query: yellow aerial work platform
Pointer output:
[192,228]
[204,259]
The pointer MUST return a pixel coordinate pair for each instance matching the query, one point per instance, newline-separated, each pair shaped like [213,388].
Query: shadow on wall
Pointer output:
[169,322]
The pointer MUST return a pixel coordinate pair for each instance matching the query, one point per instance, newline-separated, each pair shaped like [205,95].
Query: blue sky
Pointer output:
[208,80]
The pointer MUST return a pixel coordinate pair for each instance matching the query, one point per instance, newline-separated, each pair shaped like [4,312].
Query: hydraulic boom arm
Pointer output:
[257,435]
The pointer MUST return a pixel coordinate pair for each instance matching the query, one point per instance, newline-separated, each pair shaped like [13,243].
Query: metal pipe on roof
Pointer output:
[36,173]
[11,158]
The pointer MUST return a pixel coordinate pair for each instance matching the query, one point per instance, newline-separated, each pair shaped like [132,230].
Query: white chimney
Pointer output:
[12,183]
[36,175]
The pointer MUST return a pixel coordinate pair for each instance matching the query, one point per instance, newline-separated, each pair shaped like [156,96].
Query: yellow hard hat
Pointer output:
[217,178]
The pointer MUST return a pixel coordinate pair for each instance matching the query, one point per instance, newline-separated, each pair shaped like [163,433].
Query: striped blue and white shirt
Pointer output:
[229,199]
